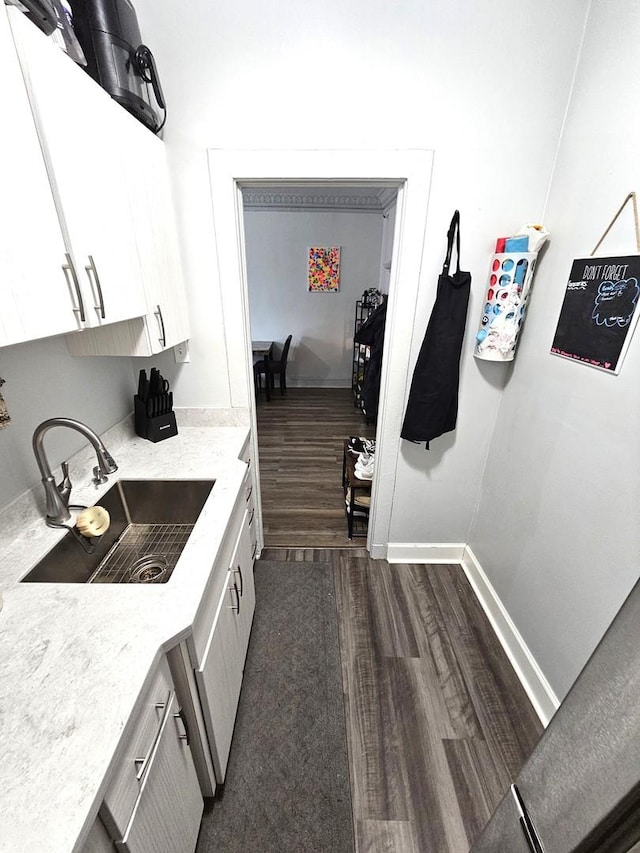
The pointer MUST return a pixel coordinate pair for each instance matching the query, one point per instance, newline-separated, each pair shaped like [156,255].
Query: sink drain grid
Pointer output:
[145,553]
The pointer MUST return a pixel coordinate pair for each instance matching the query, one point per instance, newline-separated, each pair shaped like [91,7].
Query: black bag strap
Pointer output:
[454,228]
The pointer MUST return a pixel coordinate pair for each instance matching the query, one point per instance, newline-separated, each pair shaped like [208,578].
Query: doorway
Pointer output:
[409,172]
[301,434]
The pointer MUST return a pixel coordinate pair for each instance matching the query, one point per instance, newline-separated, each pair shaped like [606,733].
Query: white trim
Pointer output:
[408,172]
[538,689]
[425,552]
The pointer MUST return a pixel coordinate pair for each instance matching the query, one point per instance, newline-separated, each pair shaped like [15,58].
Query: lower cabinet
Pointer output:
[219,672]
[154,803]
[178,745]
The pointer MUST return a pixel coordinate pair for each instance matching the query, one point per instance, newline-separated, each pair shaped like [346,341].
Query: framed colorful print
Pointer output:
[324,269]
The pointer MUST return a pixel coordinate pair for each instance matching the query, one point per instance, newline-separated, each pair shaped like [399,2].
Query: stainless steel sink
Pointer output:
[151,521]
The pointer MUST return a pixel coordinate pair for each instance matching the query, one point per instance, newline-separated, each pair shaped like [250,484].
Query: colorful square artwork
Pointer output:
[324,269]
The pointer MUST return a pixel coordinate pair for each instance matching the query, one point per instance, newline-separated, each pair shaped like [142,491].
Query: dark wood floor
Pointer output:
[438,725]
[300,436]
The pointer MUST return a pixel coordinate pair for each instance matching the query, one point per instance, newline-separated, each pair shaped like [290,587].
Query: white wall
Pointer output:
[484,84]
[557,522]
[44,381]
[280,303]
[419,75]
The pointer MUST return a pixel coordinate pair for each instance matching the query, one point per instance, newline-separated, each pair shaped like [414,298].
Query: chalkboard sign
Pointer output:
[598,314]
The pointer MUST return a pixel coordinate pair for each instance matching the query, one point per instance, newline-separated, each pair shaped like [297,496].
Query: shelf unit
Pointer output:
[357,495]
[360,351]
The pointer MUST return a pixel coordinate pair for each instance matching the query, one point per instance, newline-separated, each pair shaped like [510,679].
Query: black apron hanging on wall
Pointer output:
[432,407]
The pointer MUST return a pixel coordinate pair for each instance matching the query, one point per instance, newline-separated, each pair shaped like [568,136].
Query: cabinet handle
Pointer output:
[255,548]
[141,764]
[69,268]
[91,268]
[249,493]
[528,829]
[180,716]
[236,609]
[239,572]
[253,512]
[163,334]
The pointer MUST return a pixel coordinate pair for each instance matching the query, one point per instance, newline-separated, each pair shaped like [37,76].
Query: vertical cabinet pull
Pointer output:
[68,268]
[163,334]
[239,572]
[528,829]
[91,268]
[184,735]
[237,608]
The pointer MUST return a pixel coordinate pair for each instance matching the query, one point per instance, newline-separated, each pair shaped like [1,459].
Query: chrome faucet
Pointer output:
[58,495]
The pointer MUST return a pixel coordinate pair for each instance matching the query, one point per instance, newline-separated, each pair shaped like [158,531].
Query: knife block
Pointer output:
[153,429]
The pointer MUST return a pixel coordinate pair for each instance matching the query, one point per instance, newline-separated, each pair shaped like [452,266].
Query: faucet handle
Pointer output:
[99,476]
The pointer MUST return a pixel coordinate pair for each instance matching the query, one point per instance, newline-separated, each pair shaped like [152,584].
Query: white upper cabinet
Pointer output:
[155,228]
[80,133]
[37,298]
[165,321]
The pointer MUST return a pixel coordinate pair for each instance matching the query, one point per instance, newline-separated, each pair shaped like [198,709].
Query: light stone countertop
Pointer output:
[74,657]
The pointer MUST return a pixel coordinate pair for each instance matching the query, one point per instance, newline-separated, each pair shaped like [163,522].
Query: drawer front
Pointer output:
[121,796]
[167,814]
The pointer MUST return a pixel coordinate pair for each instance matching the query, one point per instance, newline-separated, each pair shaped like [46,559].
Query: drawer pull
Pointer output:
[255,548]
[249,493]
[253,512]
[141,764]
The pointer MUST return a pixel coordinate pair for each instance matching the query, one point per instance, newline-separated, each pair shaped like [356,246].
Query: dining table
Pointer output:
[263,350]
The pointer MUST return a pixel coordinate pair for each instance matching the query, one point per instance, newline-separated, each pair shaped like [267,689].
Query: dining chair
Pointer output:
[270,368]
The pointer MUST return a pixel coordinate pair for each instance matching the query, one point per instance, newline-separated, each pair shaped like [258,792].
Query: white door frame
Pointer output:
[410,172]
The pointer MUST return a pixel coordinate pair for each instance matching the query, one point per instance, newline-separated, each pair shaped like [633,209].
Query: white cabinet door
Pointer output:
[242,570]
[36,300]
[166,818]
[165,322]
[79,127]
[219,678]
[157,240]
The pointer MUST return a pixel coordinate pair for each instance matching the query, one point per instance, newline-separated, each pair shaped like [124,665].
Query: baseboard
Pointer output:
[538,689]
[425,552]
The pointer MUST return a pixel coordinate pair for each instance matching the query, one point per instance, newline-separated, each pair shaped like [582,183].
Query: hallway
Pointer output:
[300,436]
